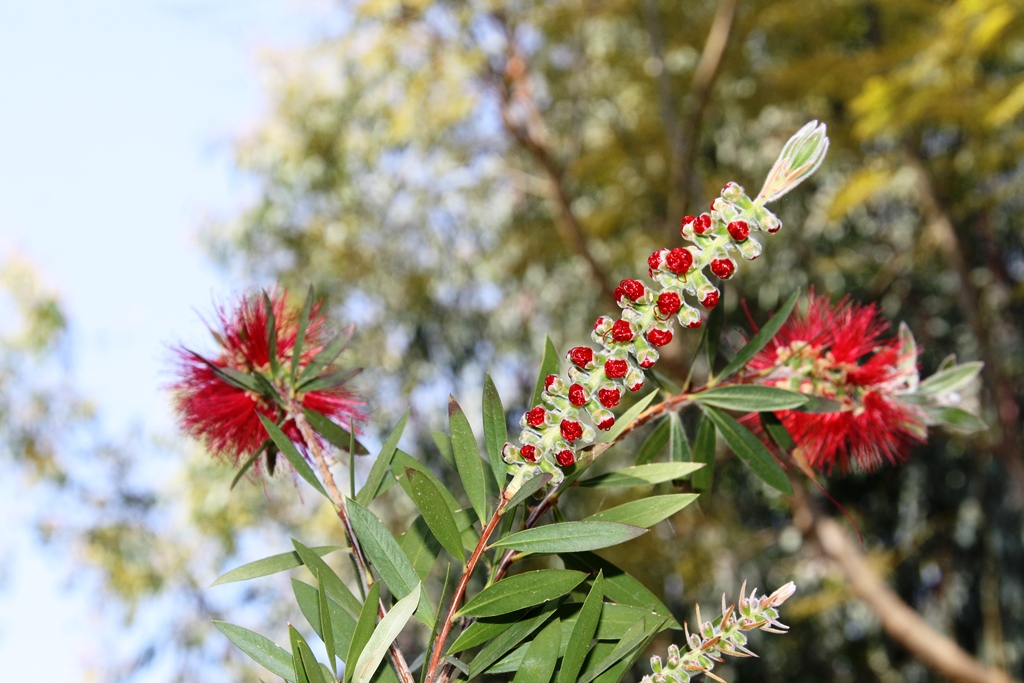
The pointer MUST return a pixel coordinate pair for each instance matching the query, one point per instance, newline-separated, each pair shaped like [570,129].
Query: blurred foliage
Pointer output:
[463,178]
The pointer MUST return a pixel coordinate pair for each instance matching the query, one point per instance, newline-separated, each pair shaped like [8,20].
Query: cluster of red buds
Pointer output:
[555,431]
[724,636]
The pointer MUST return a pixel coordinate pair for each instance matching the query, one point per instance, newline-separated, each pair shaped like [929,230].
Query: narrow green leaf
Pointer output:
[636,634]
[289,450]
[335,587]
[950,379]
[583,632]
[644,475]
[569,537]
[300,335]
[483,631]
[444,446]
[507,640]
[750,398]
[300,666]
[549,365]
[528,489]
[668,385]
[521,590]
[326,629]
[761,339]
[495,431]
[627,418]
[239,380]
[777,431]
[364,629]
[619,586]
[271,333]
[338,436]
[678,446]
[435,513]
[403,461]
[271,565]
[331,380]
[384,635]
[313,668]
[327,355]
[715,323]
[420,546]
[541,655]
[342,623]
[955,418]
[750,450]
[467,459]
[382,463]
[645,512]
[654,443]
[394,567]
[263,651]
[249,462]
[704,452]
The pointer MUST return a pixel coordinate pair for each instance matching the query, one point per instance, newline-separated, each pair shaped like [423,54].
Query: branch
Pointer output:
[937,651]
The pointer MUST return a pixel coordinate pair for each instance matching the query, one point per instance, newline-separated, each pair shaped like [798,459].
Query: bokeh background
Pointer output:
[461,179]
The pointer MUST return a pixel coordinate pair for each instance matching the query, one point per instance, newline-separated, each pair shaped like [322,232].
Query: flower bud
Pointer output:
[800,157]
[565,458]
[581,355]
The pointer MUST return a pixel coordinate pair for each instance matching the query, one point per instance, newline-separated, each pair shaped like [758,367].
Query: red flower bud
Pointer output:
[723,267]
[702,224]
[659,337]
[606,424]
[535,418]
[694,324]
[739,230]
[615,368]
[549,380]
[711,300]
[609,397]
[634,289]
[571,430]
[601,321]
[529,453]
[565,458]
[687,220]
[669,302]
[647,363]
[577,396]
[581,355]
[679,260]
[654,260]
[622,331]
[637,386]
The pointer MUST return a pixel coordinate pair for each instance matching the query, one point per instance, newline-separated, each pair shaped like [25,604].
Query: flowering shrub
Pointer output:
[820,385]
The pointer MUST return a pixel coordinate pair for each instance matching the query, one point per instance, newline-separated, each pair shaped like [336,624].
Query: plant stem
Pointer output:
[460,589]
[338,498]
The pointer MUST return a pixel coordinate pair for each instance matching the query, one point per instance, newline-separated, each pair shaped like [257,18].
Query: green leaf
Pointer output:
[271,565]
[528,489]
[271,333]
[342,623]
[331,380]
[541,655]
[300,335]
[759,340]
[646,512]
[444,446]
[750,450]
[777,431]
[338,436]
[435,513]
[239,380]
[583,633]
[289,450]
[627,418]
[300,666]
[364,629]
[495,431]
[403,461]
[678,446]
[507,640]
[750,398]
[326,629]
[654,443]
[313,668]
[394,567]
[335,587]
[384,635]
[485,630]
[704,447]
[327,355]
[381,464]
[951,379]
[568,537]
[263,651]
[715,323]
[619,586]
[420,546]
[467,459]
[955,418]
[549,365]
[643,475]
[636,634]
[521,590]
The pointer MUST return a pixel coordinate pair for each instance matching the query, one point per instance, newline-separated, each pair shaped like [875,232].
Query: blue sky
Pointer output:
[116,123]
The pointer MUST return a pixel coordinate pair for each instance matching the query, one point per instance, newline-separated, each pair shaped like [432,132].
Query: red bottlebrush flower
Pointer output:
[529,452]
[609,397]
[659,337]
[679,260]
[837,352]
[571,430]
[581,355]
[577,395]
[669,303]
[622,331]
[565,458]
[223,414]
[739,230]
[615,368]
[535,417]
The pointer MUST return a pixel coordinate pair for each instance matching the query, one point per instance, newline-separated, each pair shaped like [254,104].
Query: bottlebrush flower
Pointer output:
[837,352]
[219,399]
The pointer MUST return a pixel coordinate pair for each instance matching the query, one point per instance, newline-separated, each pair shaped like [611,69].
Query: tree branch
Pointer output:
[938,652]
